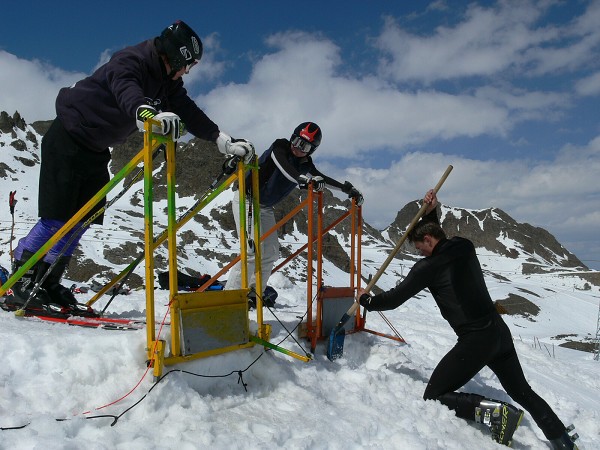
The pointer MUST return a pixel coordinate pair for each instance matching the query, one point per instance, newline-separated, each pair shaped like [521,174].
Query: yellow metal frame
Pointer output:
[208,310]
[190,309]
[194,306]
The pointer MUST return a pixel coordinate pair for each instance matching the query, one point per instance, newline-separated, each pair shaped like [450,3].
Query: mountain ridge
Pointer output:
[199,162]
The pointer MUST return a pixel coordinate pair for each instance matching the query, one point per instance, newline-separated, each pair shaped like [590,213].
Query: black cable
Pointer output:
[289,333]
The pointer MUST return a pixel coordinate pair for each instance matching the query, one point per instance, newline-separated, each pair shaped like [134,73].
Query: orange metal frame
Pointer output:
[316,231]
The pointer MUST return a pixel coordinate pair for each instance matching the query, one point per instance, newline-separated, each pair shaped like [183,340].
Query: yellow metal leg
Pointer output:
[158,358]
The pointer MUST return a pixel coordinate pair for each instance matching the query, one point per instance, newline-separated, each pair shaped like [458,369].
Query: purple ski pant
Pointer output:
[43,230]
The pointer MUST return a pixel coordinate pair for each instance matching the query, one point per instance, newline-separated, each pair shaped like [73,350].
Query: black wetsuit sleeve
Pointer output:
[416,280]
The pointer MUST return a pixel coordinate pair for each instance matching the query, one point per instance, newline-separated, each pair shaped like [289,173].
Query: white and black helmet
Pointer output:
[181,45]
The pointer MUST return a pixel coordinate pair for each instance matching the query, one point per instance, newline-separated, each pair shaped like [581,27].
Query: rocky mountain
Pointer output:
[209,242]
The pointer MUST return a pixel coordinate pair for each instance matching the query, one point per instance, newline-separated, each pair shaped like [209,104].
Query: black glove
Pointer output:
[318,183]
[357,196]
[352,192]
[142,114]
[230,164]
[170,123]
[365,301]
[238,147]
[303,181]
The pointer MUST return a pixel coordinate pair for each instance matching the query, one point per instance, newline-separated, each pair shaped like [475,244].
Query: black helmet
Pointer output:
[181,44]
[307,137]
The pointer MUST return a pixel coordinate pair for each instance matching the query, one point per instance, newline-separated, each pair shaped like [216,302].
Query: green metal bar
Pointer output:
[172,240]
[243,225]
[257,245]
[78,217]
[285,351]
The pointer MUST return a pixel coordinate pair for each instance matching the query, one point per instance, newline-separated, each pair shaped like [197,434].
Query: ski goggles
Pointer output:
[302,145]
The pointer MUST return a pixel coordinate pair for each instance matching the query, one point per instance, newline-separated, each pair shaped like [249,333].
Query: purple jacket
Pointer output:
[100,110]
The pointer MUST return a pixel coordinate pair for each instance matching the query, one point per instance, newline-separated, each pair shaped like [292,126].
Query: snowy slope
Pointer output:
[371,398]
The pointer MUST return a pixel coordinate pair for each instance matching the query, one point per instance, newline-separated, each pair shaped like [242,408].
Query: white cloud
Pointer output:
[523,187]
[487,41]
[508,38]
[560,195]
[299,81]
[589,85]
[573,46]
[30,87]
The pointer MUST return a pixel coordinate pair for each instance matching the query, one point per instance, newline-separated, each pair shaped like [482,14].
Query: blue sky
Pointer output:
[506,91]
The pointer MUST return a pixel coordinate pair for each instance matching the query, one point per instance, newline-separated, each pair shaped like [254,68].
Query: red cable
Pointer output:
[145,373]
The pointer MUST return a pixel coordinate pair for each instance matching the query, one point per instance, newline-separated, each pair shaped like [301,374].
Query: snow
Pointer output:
[69,387]
[57,381]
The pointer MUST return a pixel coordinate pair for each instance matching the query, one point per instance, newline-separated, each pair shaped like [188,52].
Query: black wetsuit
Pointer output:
[454,277]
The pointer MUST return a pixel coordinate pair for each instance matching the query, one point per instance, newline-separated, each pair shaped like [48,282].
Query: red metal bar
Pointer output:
[301,249]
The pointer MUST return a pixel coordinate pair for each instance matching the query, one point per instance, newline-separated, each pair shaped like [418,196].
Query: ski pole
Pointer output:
[12,201]
[79,233]
[163,235]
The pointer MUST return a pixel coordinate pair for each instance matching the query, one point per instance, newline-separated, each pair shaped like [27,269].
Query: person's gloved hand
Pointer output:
[238,147]
[318,183]
[357,196]
[230,164]
[353,193]
[169,122]
[365,301]
[303,181]
[142,114]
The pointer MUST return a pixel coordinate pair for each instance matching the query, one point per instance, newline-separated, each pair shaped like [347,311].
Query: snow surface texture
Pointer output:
[371,398]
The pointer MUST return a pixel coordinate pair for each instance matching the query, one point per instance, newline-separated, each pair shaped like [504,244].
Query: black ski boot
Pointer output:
[61,295]
[269,297]
[502,418]
[252,299]
[24,286]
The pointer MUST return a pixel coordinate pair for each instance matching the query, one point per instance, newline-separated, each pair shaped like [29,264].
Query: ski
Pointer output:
[51,315]
[106,323]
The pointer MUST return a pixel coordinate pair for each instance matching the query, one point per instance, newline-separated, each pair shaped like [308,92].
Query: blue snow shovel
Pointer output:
[335,345]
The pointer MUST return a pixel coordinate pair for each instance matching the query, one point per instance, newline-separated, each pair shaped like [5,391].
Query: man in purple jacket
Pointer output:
[139,82]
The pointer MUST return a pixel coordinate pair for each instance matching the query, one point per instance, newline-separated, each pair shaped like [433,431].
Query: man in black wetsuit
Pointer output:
[451,271]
